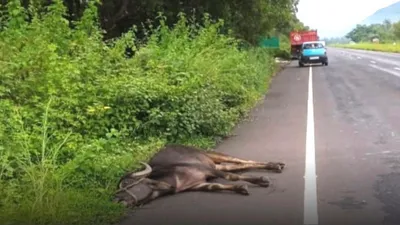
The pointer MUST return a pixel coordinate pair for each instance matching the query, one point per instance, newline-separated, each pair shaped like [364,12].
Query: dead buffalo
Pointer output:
[178,168]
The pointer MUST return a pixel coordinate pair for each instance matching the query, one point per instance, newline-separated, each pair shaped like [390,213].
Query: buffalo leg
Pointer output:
[261,181]
[240,189]
[218,158]
[277,167]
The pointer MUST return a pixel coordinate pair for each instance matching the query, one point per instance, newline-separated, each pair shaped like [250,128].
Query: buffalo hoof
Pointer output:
[242,189]
[276,166]
[263,182]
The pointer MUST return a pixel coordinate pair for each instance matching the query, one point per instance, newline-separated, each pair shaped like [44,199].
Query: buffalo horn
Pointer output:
[143,173]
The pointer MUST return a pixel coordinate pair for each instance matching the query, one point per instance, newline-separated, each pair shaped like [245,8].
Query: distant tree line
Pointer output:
[336,40]
[249,20]
[386,32]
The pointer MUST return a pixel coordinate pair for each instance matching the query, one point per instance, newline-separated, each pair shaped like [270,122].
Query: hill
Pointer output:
[391,12]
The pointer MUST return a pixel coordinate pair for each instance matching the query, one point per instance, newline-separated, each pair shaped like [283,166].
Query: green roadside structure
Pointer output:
[272,42]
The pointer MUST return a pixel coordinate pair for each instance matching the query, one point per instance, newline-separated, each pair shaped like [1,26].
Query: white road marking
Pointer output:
[373,62]
[310,177]
[378,153]
[385,70]
[358,57]
[397,68]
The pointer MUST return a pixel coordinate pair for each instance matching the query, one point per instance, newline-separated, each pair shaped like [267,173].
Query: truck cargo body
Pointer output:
[297,38]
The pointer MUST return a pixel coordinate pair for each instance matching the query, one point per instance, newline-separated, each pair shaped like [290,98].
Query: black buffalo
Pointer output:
[178,168]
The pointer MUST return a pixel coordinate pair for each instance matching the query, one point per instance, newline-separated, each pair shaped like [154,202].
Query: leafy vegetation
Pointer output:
[247,20]
[76,111]
[336,40]
[387,33]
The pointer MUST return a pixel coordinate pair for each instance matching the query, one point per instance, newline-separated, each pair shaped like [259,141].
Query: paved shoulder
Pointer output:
[276,132]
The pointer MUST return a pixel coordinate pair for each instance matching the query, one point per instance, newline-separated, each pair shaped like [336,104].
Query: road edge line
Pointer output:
[310,177]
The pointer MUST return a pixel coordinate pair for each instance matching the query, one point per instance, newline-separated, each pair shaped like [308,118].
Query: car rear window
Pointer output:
[313,45]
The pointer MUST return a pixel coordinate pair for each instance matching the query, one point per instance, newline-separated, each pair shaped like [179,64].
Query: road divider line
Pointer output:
[397,68]
[385,70]
[373,62]
[310,177]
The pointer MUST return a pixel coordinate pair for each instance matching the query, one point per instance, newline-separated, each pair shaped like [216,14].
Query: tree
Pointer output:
[386,32]
[359,33]
[396,29]
[249,20]
[387,24]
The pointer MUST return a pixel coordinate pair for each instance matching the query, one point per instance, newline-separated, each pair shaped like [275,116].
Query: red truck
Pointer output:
[298,37]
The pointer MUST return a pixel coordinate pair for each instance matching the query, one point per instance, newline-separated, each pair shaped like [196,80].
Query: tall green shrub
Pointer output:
[76,112]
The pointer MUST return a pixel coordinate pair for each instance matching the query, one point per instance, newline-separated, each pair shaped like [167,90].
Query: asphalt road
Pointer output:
[355,150]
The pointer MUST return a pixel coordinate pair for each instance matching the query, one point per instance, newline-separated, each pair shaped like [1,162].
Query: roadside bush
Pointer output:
[76,112]
[285,48]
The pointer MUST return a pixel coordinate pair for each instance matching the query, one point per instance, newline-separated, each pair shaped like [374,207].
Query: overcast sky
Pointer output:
[334,17]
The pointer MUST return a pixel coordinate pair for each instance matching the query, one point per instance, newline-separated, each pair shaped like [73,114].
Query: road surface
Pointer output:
[354,149]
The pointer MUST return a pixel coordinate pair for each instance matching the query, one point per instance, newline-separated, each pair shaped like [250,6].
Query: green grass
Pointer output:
[76,113]
[372,47]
